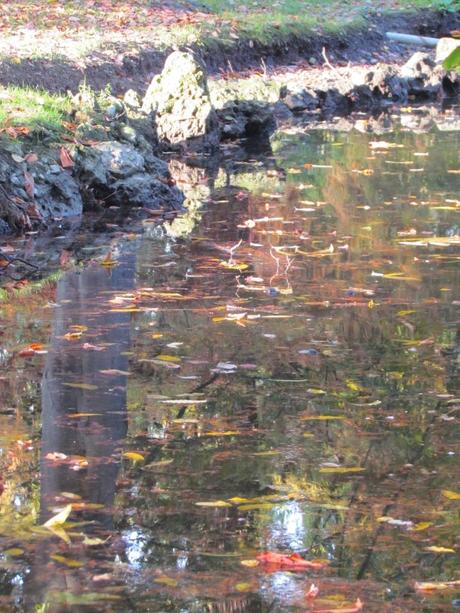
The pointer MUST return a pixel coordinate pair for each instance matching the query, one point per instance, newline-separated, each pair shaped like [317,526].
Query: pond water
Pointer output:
[275,372]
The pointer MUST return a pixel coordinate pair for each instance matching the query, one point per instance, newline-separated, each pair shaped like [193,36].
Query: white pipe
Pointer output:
[410,39]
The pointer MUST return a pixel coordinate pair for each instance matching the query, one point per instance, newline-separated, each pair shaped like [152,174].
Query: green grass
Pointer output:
[33,109]
[266,21]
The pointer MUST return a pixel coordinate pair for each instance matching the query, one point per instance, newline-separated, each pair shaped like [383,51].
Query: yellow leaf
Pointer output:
[256,507]
[341,469]
[226,433]
[433,586]
[321,417]
[60,533]
[168,358]
[355,387]
[92,542]
[250,563]
[243,587]
[451,495]
[166,581]
[436,549]
[134,456]
[60,518]
[14,552]
[81,386]
[423,525]
[69,562]
[234,266]
[213,503]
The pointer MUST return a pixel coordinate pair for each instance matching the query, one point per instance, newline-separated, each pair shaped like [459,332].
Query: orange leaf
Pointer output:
[66,160]
[277,561]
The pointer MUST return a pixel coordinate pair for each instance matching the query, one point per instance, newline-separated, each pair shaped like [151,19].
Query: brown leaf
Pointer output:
[31,158]
[29,184]
[66,160]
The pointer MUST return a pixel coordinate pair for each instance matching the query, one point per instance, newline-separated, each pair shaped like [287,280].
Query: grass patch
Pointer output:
[32,109]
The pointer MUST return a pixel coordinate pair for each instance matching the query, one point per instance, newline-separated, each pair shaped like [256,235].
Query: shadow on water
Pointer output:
[84,416]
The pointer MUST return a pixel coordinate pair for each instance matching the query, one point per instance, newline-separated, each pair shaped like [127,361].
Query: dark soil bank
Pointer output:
[134,71]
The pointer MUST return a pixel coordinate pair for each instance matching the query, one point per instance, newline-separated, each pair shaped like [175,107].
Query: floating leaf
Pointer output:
[14,552]
[213,503]
[437,549]
[423,525]
[451,495]
[168,358]
[134,456]
[93,542]
[67,561]
[250,563]
[292,562]
[60,518]
[262,506]
[166,581]
[321,417]
[433,586]
[357,606]
[243,587]
[234,265]
[82,386]
[341,469]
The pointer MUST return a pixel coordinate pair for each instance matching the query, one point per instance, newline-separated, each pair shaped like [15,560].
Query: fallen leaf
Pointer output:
[213,504]
[60,518]
[134,456]
[66,160]
[294,562]
[341,469]
[451,495]
[29,184]
[437,549]
[348,609]
[69,562]
[434,586]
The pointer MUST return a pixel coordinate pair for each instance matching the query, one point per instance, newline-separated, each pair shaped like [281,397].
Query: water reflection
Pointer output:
[293,386]
[84,419]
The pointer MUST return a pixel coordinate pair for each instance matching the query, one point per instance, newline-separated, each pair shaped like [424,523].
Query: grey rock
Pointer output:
[146,191]
[423,77]
[301,100]
[5,228]
[244,118]
[179,98]
[111,158]
[132,99]
[387,84]
[445,47]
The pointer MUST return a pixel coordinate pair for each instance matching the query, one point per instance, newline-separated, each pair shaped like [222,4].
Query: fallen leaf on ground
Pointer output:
[66,160]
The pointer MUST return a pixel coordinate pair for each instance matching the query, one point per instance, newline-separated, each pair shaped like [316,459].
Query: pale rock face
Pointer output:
[179,98]
[445,47]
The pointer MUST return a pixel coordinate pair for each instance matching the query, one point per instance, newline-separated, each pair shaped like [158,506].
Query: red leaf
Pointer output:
[277,561]
[29,184]
[66,160]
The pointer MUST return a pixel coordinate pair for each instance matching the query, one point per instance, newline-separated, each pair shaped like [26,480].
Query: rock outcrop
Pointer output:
[179,102]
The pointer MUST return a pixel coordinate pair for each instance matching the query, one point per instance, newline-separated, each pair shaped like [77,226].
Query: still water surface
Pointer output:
[275,372]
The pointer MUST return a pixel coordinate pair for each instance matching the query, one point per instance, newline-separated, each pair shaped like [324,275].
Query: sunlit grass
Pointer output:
[32,108]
